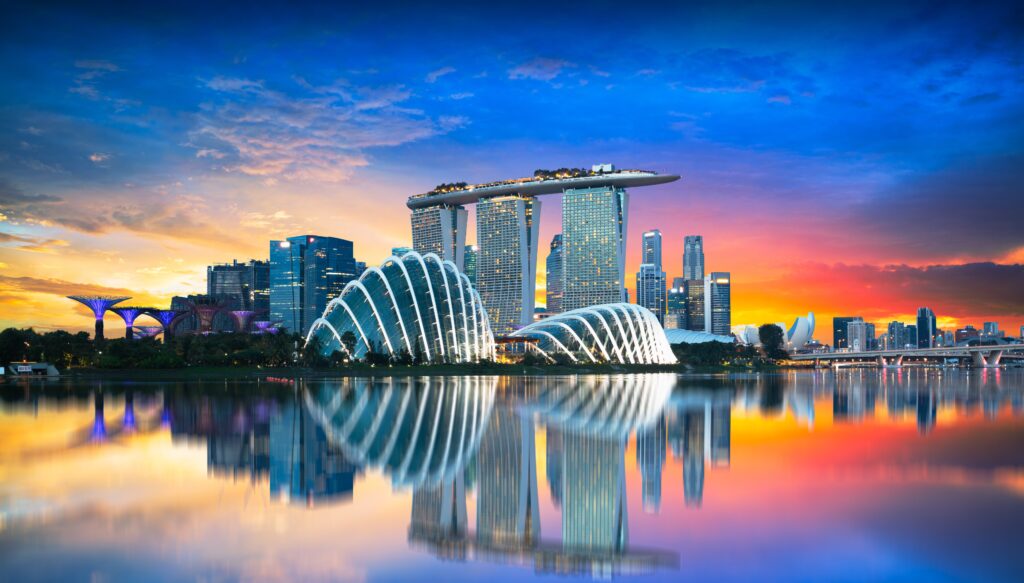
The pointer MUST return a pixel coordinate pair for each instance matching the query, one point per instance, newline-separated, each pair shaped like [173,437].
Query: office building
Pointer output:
[650,290]
[857,336]
[694,289]
[650,249]
[594,246]
[555,277]
[839,329]
[966,334]
[507,235]
[925,328]
[441,229]
[693,257]
[240,286]
[469,261]
[990,330]
[675,305]
[870,340]
[718,303]
[897,336]
[306,272]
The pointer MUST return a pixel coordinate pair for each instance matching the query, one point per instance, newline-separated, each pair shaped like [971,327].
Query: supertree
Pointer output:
[129,314]
[265,327]
[206,310]
[242,319]
[99,306]
[166,319]
[148,331]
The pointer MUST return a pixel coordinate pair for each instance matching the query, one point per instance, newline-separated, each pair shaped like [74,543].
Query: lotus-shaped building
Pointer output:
[616,333]
[415,304]
[799,334]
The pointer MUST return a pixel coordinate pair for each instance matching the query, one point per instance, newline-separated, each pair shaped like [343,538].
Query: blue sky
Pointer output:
[865,135]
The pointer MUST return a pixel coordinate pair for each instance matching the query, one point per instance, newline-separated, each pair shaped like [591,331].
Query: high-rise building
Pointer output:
[469,260]
[897,336]
[857,336]
[238,286]
[507,235]
[695,304]
[718,303]
[555,276]
[675,305]
[990,329]
[839,326]
[870,340]
[594,246]
[693,257]
[911,338]
[650,250]
[441,229]
[594,510]
[306,272]
[1022,332]
[966,334]
[650,290]
[507,510]
[925,328]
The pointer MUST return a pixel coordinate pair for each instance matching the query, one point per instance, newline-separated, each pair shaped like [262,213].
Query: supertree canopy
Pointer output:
[99,306]
[166,319]
[206,310]
[265,327]
[148,331]
[129,314]
[242,319]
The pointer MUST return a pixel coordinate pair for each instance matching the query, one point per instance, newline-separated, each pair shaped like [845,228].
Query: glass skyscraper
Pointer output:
[469,260]
[693,257]
[306,272]
[675,305]
[240,286]
[651,248]
[507,234]
[925,327]
[695,304]
[650,290]
[840,338]
[594,246]
[718,303]
[555,287]
[441,229]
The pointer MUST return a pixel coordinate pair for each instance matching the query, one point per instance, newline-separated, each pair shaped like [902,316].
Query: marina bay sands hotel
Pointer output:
[594,217]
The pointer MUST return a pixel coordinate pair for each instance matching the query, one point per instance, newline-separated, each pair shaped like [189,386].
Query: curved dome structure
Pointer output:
[679,336]
[604,406]
[420,431]
[417,304]
[617,333]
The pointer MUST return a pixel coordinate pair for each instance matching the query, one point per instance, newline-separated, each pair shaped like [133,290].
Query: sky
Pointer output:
[846,160]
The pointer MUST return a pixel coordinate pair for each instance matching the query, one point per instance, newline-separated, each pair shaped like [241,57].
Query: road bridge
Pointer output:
[979,356]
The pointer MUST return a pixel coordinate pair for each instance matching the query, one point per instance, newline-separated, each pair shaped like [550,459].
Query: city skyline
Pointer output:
[117,182]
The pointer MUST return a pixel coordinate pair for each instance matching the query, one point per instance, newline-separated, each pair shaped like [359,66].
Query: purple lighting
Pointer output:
[242,319]
[148,331]
[99,306]
[265,327]
[129,314]
[206,313]
[166,319]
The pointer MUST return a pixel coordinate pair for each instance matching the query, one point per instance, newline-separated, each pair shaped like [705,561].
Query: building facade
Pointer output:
[555,276]
[693,257]
[694,289]
[718,303]
[925,327]
[594,246]
[675,305]
[650,290]
[441,230]
[306,272]
[650,248]
[507,235]
[239,286]
[469,259]
[839,331]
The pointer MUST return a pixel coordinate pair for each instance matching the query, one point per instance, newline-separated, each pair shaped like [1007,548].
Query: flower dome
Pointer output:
[416,304]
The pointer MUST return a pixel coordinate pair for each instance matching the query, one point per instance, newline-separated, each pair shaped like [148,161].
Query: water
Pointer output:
[908,475]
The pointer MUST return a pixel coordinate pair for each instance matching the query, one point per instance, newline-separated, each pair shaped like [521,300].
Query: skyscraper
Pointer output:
[925,327]
[695,304]
[441,229]
[651,248]
[693,257]
[469,260]
[507,234]
[675,305]
[870,339]
[857,336]
[839,337]
[990,329]
[238,286]
[507,508]
[594,511]
[306,272]
[594,246]
[555,287]
[718,303]
[650,290]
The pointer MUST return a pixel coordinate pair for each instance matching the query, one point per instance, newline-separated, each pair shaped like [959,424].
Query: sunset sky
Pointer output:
[861,160]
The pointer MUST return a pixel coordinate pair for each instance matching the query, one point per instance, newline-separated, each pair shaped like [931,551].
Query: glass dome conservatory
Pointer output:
[414,304]
[616,333]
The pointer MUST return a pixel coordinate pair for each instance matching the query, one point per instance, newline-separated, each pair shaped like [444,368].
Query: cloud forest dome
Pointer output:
[416,304]
[618,333]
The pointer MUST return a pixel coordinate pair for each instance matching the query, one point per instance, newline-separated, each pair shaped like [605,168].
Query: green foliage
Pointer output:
[61,348]
[715,354]
[773,341]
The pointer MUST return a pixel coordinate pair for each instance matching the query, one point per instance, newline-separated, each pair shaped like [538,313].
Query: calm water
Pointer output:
[913,475]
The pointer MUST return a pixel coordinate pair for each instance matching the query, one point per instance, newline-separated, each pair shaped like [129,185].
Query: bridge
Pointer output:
[980,356]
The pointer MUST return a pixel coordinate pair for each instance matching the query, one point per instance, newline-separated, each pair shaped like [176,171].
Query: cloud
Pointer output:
[433,76]
[33,244]
[460,96]
[97,157]
[321,134]
[781,98]
[58,287]
[84,83]
[539,69]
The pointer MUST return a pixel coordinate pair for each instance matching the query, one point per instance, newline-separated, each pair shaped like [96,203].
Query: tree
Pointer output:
[773,341]
[348,340]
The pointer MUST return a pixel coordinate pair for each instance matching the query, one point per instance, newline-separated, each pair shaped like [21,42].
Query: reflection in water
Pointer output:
[455,443]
